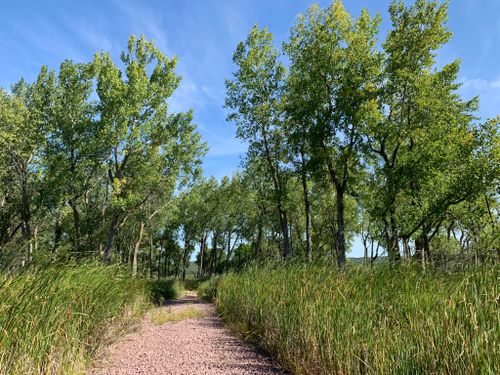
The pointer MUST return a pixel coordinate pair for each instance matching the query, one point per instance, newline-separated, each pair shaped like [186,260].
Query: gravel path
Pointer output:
[193,346]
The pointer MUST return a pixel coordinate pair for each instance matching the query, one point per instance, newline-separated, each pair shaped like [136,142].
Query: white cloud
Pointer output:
[235,21]
[51,42]
[488,92]
[145,20]
[480,84]
[91,33]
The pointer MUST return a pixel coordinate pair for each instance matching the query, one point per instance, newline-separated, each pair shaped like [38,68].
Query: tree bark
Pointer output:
[136,249]
[151,247]
[406,249]
[203,244]
[278,189]
[284,231]
[213,254]
[258,244]
[76,224]
[184,255]
[307,209]
[340,235]
[393,249]
[228,250]
[57,232]
[26,214]
[111,236]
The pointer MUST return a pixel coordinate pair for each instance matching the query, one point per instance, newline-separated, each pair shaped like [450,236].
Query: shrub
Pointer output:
[163,290]
[207,289]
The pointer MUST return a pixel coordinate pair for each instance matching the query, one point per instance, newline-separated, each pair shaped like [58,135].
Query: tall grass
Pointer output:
[207,289]
[52,320]
[369,321]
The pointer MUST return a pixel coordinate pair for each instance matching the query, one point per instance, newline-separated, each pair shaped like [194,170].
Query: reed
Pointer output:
[315,320]
[53,320]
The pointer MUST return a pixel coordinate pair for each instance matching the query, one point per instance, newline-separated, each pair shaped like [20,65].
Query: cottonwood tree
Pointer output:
[75,149]
[254,95]
[23,123]
[422,140]
[331,92]
[144,139]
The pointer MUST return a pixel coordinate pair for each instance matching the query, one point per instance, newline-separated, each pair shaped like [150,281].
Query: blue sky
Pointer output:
[203,34]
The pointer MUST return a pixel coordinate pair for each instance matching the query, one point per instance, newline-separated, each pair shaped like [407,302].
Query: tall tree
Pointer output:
[144,139]
[254,95]
[74,149]
[423,141]
[331,91]
[23,125]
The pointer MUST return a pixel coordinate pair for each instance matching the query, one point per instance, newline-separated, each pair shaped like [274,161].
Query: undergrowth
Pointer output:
[53,320]
[207,289]
[315,320]
[163,315]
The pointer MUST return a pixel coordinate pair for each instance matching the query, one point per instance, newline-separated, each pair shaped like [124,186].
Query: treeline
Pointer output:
[349,135]
[91,158]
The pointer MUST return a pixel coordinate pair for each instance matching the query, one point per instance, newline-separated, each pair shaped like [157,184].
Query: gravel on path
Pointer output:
[195,346]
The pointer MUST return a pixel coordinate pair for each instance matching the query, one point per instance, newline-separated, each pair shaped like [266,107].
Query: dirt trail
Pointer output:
[196,346]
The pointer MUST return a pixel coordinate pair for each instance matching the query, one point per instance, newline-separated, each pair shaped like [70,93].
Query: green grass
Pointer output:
[166,315]
[191,284]
[164,289]
[53,320]
[315,320]
[207,289]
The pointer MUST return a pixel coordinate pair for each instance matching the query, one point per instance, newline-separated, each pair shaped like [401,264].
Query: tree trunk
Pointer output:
[340,235]
[406,249]
[111,236]
[393,246]
[307,208]
[167,263]
[76,224]
[184,255]
[426,248]
[151,246]
[57,233]
[203,244]
[278,189]
[35,243]
[422,248]
[136,249]
[228,250]
[213,254]
[158,265]
[258,245]
[365,246]
[284,231]
[26,217]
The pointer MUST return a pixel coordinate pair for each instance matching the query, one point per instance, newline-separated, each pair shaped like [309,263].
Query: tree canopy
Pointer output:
[350,133]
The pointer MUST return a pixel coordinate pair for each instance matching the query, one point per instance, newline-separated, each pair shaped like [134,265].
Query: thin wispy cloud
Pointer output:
[143,19]
[480,84]
[93,35]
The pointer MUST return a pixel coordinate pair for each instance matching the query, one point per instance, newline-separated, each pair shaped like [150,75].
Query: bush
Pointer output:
[207,289]
[52,320]
[192,284]
[315,320]
[164,289]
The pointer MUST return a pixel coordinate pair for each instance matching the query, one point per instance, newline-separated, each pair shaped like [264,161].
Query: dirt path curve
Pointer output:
[193,346]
